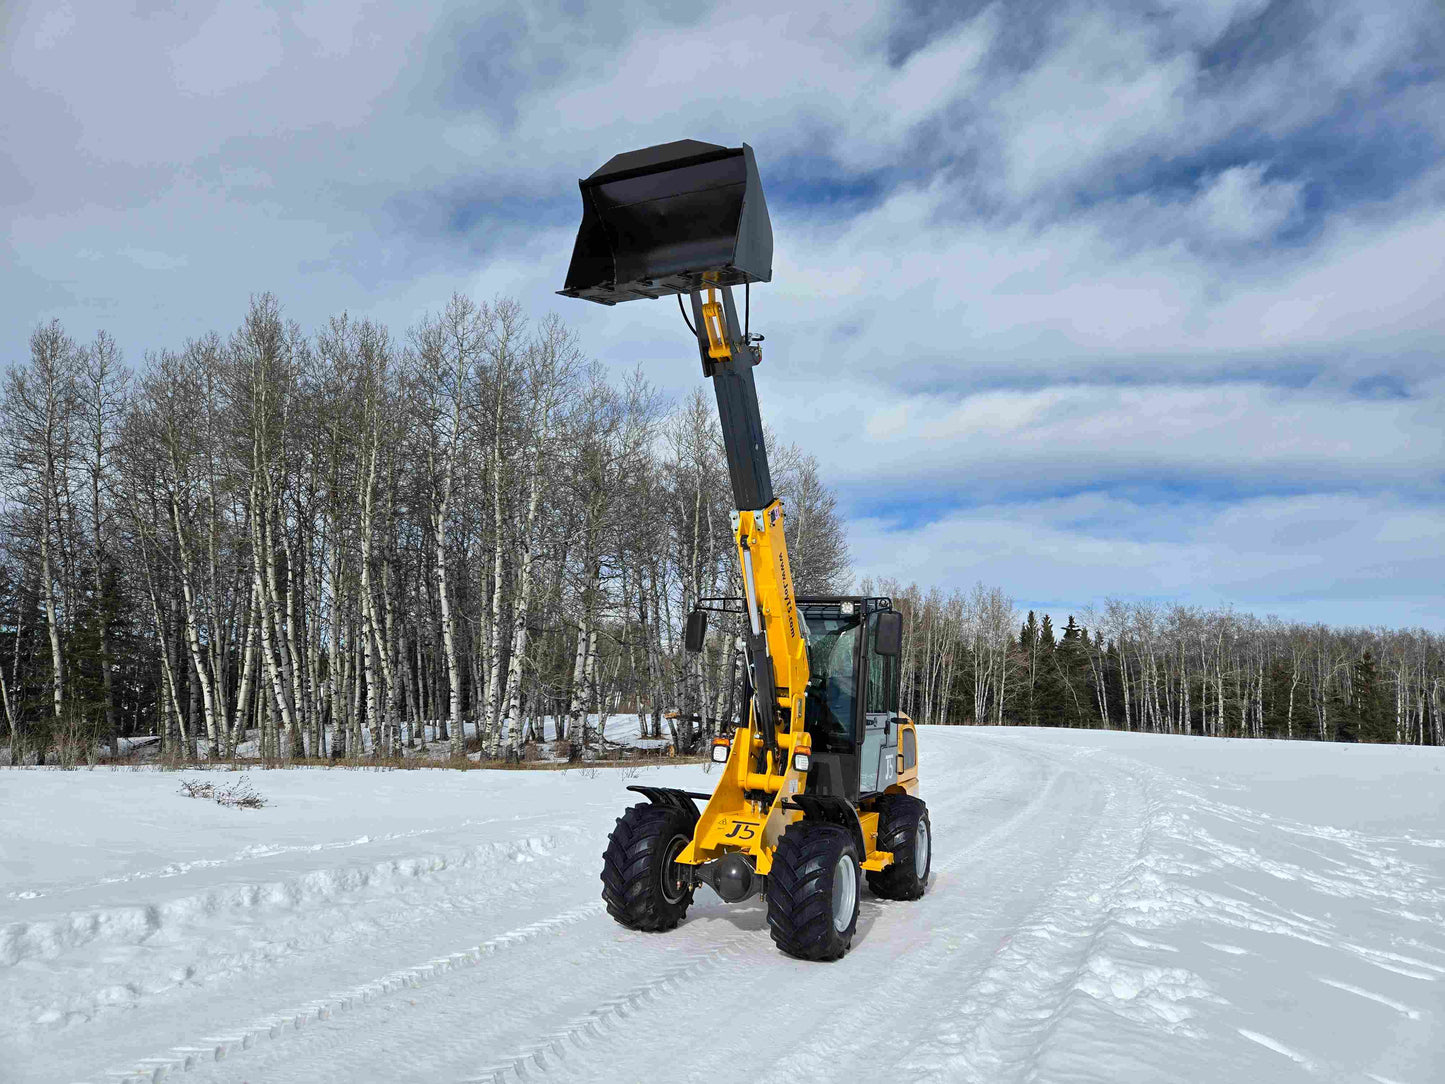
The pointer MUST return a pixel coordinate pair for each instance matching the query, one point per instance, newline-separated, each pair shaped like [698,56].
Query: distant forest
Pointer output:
[341,543]
[345,542]
[970,657]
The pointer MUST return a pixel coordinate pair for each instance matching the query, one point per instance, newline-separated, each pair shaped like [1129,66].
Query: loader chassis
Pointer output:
[820,780]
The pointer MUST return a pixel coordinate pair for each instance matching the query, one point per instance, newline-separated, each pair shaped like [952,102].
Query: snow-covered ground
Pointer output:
[1104,907]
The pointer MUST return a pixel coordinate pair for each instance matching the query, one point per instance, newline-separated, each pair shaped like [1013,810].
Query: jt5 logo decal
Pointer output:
[742,830]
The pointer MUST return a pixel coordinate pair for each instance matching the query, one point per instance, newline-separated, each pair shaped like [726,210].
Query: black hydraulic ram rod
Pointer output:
[728,360]
[737,402]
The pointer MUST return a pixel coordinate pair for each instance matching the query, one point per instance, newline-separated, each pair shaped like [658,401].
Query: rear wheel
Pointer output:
[813,891]
[904,829]
[642,884]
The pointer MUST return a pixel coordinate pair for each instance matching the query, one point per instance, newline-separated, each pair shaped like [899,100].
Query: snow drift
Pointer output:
[1104,907]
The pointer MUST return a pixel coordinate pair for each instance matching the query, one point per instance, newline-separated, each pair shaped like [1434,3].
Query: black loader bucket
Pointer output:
[671,219]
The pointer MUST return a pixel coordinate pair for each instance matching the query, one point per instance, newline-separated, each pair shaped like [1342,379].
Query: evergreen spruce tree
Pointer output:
[1051,695]
[1371,716]
[1029,649]
[1029,634]
[1071,660]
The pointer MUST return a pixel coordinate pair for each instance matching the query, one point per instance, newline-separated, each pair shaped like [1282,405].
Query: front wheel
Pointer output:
[642,884]
[813,891]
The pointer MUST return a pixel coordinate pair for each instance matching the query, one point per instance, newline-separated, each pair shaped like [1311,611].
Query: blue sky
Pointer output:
[1081,299]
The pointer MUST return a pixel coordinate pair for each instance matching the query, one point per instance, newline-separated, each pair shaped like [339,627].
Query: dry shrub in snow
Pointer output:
[239,793]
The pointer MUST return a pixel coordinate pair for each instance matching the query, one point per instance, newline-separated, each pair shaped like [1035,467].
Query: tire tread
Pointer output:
[898,817]
[800,891]
[631,882]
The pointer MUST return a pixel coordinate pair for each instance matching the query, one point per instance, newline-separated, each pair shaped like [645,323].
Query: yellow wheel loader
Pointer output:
[820,784]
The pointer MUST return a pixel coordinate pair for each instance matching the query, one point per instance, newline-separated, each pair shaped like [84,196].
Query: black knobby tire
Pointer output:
[810,858]
[639,883]
[899,819]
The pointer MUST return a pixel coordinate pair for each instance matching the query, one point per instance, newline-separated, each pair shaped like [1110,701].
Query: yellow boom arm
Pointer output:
[746,811]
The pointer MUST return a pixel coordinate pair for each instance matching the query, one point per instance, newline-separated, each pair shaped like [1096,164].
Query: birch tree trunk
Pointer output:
[521,611]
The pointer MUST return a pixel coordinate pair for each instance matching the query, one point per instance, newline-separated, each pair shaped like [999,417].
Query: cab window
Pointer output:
[882,693]
[832,693]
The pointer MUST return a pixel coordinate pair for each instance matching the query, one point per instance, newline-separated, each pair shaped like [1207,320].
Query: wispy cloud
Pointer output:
[1165,262]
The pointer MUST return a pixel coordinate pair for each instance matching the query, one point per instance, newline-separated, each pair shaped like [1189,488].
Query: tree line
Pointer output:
[970,657]
[350,542]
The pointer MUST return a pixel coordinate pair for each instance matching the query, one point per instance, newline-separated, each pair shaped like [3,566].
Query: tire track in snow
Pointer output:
[990,1018]
[228,1041]
[562,1050]
[131,923]
[1044,835]
[810,983]
[556,1052]
[1279,1048]
[1015,1003]
[1035,1009]
[927,972]
[222,947]
[556,1047]
[256,853]
[556,1055]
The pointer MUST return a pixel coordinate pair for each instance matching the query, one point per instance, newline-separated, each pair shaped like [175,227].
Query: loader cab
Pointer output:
[852,697]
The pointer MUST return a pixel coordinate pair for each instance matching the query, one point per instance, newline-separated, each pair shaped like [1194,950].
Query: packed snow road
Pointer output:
[1104,907]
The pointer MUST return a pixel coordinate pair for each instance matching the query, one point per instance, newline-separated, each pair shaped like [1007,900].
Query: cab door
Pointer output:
[878,752]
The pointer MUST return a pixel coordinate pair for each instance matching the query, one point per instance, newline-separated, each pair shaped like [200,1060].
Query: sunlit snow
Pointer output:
[1104,907]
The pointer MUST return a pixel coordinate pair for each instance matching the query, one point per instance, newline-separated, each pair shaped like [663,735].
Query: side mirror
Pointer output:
[696,631]
[888,637]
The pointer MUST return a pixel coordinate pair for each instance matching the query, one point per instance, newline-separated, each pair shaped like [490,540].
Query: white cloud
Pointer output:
[1240,205]
[238,43]
[154,261]
[1324,556]
[1102,92]
[959,446]
[1111,286]
[1015,308]
[52,25]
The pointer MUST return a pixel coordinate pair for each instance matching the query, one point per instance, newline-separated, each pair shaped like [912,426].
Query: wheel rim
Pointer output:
[672,887]
[920,850]
[845,892]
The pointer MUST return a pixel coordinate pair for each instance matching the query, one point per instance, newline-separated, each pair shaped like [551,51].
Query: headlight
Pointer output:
[720,749]
[801,761]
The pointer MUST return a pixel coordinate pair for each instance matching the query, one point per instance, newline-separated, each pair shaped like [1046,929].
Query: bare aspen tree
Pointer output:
[170,400]
[40,401]
[375,355]
[102,388]
[304,545]
[446,353]
[505,342]
[551,362]
[262,368]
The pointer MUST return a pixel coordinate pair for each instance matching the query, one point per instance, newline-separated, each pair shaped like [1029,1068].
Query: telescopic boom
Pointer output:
[689,218]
